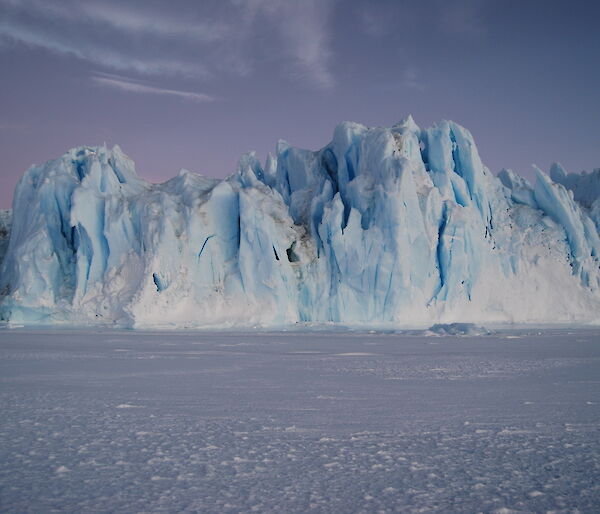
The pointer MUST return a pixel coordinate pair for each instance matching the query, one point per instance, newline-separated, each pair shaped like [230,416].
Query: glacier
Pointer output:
[398,226]
[5,224]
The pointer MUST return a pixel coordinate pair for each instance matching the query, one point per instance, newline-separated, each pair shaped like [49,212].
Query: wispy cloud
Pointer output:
[136,21]
[199,40]
[304,28]
[99,54]
[372,24]
[307,36]
[131,86]
[463,17]
[410,80]
[68,28]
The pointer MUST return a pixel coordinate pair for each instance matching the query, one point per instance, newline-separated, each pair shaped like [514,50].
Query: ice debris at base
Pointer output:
[381,227]
[457,329]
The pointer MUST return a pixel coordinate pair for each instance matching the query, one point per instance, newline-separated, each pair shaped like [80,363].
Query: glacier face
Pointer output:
[5,223]
[383,226]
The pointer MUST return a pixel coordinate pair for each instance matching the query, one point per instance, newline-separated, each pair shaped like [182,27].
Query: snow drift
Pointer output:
[397,226]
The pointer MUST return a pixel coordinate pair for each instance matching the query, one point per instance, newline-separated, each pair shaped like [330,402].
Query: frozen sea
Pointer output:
[128,421]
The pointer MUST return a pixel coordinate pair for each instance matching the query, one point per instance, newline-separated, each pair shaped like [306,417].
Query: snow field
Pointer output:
[299,421]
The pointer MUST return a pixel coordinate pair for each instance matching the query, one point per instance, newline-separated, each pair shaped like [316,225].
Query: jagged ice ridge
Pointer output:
[383,226]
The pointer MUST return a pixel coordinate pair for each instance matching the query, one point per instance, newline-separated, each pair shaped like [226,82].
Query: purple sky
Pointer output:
[194,84]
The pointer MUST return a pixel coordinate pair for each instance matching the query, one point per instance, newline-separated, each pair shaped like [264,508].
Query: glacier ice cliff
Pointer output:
[5,223]
[383,226]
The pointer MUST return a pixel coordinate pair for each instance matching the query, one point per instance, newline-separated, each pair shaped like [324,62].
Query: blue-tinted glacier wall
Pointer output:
[383,226]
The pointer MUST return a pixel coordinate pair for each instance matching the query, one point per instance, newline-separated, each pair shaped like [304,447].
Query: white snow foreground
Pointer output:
[383,226]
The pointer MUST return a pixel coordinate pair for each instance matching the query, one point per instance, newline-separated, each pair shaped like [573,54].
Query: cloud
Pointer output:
[198,40]
[372,23]
[98,54]
[68,29]
[144,22]
[307,36]
[410,80]
[464,18]
[124,84]
[304,28]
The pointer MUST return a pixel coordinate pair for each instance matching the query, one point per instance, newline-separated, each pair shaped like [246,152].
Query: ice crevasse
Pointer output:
[382,227]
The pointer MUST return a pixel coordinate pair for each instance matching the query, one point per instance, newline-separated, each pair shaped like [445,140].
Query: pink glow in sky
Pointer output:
[194,85]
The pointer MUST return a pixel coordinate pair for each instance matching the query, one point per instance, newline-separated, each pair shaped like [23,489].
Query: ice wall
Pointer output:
[383,226]
[5,224]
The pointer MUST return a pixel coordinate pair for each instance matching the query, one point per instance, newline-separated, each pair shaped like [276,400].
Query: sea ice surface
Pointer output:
[319,421]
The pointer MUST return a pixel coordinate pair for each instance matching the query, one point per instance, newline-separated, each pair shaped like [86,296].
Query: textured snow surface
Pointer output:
[293,422]
[383,226]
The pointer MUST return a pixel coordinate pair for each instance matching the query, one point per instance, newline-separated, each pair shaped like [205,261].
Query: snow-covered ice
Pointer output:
[381,227]
[135,421]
